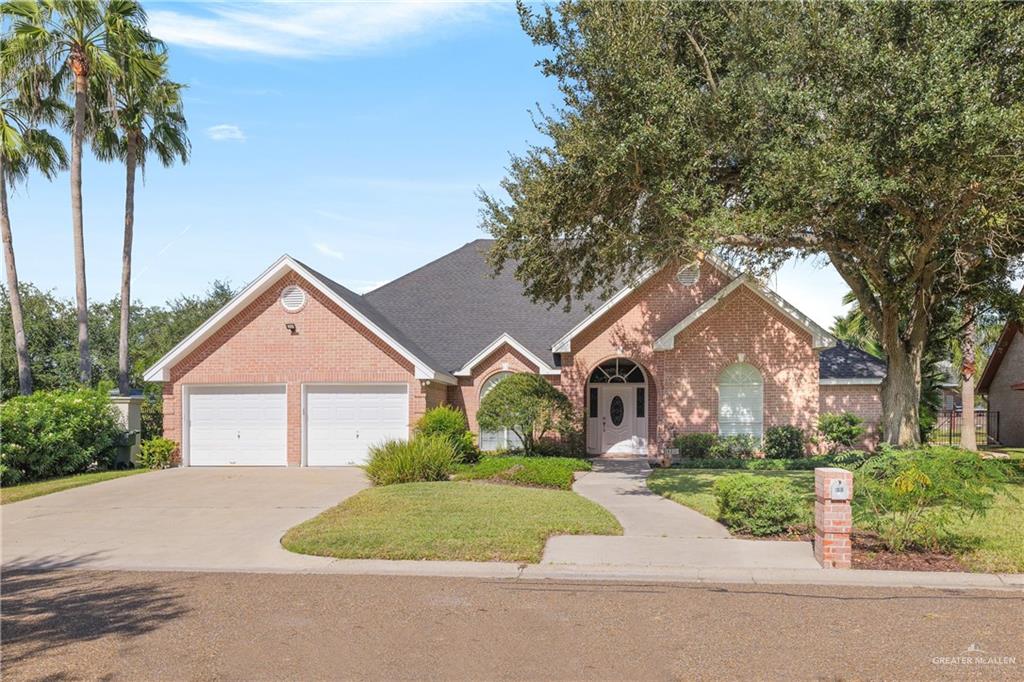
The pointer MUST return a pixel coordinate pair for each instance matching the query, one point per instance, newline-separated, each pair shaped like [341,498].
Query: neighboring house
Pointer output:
[299,370]
[949,388]
[1003,383]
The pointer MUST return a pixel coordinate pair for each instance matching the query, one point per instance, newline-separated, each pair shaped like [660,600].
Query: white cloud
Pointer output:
[309,29]
[328,251]
[225,131]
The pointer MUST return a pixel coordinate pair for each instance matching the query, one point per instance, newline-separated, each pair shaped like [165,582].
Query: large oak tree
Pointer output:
[887,138]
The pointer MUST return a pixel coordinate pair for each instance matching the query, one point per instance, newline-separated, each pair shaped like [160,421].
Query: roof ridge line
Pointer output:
[425,265]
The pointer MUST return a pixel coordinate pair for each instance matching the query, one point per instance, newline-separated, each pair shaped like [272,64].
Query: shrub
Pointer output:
[734,447]
[57,433]
[841,430]
[527,405]
[758,505]
[798,464]
[911,497]
[548,472]
[424,458]
[784,442]
[695,445]
[451,423]
[156,453]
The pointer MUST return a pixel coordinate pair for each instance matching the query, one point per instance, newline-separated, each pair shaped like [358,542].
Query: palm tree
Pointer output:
[140,114]
[24,145]
[75,39]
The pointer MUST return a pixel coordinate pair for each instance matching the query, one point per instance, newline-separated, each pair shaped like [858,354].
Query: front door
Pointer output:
[618,416]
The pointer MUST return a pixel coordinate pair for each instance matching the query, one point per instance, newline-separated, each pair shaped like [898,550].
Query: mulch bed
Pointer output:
[870,553]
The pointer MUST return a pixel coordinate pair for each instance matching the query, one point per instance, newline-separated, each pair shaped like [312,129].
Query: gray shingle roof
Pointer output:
[367,310]
[845,361]
[454,307]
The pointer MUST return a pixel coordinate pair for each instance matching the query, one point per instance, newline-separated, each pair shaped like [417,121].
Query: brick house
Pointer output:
[298,370]
[1003,383]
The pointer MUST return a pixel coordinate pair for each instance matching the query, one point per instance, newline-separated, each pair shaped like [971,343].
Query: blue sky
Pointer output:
[351,136]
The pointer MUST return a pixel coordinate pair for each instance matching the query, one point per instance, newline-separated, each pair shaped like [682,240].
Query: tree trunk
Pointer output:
[123,383]
[81,298]
[901,396]
[968,439]
[20,341]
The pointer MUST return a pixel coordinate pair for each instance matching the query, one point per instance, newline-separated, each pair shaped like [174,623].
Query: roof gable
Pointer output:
[819,337]
[995,361]
[347,300]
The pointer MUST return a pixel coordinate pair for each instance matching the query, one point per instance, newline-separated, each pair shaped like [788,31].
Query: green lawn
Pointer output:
[692,487]
[992,543]
[547,472]
[449,520]
[24,491]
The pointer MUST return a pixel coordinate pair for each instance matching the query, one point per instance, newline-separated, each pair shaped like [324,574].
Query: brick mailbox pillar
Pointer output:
[833,517]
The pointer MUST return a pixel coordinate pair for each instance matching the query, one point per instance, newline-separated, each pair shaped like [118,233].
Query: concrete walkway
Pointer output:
[658,532]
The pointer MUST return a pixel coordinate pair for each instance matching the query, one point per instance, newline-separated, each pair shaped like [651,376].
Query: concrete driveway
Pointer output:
[189,518]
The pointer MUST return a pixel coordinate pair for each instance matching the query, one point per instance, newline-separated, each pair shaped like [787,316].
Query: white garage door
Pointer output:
[237,425]
[342,422]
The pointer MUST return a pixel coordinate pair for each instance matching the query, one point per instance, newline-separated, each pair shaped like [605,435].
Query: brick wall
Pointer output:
[682,383]
[863,401]
[255,348]
[1009,402]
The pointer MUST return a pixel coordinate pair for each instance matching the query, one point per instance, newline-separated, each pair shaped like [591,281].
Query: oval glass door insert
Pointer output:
[617,410]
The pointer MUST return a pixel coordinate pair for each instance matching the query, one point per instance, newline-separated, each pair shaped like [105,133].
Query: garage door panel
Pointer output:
[342,422]
[238,425]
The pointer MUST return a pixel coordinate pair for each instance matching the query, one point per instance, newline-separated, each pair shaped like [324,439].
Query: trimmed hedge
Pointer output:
[847,459]
[57,433]
[758,505]
[156,453]
[695,445]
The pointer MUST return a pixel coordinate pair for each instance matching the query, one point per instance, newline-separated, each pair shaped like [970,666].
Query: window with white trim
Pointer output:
[740,401]
[502,439]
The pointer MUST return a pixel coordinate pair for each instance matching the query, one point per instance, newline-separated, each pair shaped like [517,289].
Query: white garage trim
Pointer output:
[161,371]
[186,410]
[345,385]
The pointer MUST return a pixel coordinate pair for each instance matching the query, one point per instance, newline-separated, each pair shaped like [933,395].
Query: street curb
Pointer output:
[1012,582]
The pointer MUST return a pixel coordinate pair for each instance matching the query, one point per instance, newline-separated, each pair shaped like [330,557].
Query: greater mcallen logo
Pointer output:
[975,655]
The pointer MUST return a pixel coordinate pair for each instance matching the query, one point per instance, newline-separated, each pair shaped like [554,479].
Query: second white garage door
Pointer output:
[342,422]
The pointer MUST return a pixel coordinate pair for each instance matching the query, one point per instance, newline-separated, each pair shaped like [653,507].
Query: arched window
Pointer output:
[502,439]
[740,401]
[617,371]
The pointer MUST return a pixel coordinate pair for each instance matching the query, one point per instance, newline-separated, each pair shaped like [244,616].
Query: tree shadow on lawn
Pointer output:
[46,605]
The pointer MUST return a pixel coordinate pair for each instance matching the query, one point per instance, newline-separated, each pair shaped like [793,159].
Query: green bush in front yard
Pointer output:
[756,464]
[424,458]
[528,406]
[694,445]
[758,505]
[734,447]
[840,430]
[547,472]
[57,433]
[784,442]
[914,497]
[449,422]
[156,453]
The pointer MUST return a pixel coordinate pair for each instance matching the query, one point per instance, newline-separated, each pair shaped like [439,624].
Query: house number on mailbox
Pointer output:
[838,490]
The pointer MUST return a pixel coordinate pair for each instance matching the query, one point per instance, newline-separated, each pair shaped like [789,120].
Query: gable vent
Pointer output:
[689,274]
[293,298]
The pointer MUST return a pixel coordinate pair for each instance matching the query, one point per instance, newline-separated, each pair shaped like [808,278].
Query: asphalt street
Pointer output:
[74,624]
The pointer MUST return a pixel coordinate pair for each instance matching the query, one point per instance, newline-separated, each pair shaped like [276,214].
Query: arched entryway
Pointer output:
[617,408]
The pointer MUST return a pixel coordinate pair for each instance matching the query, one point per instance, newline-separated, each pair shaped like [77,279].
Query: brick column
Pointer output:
[833,517]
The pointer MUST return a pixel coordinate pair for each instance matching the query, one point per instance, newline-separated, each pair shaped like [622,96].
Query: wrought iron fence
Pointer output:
[950,424]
